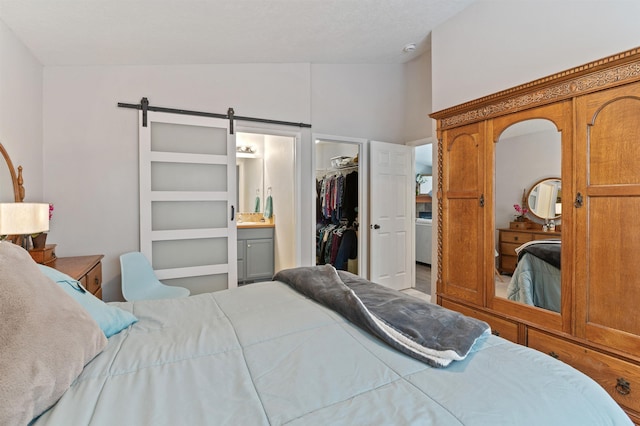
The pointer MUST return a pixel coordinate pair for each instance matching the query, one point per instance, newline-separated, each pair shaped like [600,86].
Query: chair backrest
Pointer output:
[137,276]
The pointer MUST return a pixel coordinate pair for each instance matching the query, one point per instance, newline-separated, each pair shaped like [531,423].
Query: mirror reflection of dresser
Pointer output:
[510,239]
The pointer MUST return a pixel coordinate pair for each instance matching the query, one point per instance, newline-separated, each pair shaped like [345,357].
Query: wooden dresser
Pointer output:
[86,269]
[595,110]
[510,239]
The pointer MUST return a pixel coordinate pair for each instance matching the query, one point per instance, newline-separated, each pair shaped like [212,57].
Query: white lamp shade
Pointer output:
[23,218]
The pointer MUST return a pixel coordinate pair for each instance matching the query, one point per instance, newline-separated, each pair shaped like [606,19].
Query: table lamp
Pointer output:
[23,219]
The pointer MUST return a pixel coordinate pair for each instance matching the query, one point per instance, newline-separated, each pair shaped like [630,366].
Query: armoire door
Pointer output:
[463,212]
[607,207]
[187,200]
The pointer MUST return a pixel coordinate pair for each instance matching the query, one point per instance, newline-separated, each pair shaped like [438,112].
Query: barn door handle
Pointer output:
[233,213]
[578,202]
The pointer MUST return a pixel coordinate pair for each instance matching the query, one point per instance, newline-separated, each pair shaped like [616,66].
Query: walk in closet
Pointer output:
[337,209]
[595,108]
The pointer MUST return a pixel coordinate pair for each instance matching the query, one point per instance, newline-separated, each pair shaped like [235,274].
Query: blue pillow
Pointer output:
[112,320]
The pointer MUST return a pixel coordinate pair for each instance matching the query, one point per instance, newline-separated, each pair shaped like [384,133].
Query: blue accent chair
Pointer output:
[139,282]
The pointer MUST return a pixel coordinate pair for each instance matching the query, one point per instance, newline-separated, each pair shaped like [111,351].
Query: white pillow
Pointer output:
[46,338]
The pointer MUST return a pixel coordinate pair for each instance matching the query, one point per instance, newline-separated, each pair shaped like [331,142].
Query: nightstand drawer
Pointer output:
[86,269]
[509,248]
[515,237]
[508,263]
[619,378]
[94,279]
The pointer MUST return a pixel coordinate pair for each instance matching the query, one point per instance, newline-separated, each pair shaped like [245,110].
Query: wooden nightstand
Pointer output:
[45,256]
[86,269]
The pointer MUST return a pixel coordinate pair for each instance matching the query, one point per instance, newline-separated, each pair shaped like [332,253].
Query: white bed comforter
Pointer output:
[263,354]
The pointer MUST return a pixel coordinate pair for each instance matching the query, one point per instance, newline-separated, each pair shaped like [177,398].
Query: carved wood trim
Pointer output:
[615,70]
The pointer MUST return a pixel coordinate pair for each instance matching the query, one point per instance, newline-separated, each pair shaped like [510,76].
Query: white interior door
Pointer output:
[187,200]
[392,195]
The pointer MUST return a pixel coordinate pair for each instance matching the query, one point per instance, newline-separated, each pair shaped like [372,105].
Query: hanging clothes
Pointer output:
[337,217]
[350,197]
[335,245]
[338,197]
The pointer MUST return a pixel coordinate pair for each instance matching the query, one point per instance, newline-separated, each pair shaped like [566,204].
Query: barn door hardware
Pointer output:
[144,106]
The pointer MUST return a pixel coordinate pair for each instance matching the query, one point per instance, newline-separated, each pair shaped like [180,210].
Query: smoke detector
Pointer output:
[409,48]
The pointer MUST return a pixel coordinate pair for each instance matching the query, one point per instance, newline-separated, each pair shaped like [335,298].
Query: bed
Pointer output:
[536,279]
[267,354]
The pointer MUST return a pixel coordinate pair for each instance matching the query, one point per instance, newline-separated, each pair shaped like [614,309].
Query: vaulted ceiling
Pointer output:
[168,32]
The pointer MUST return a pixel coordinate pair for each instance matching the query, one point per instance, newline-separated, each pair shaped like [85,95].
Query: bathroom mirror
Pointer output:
[250,185]
[250,172]
[544,199]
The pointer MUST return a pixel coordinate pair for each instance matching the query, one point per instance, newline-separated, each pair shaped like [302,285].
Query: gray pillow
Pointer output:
[46,338]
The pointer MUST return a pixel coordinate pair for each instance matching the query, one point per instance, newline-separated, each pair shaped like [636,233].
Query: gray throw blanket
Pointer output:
[423,330]
[550,253]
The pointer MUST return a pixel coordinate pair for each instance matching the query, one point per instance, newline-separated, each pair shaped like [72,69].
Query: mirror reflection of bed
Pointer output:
[528,156]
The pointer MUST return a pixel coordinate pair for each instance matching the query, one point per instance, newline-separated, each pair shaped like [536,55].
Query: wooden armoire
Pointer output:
[596,109]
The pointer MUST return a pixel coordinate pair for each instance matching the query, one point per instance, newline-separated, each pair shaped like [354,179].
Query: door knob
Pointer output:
[376,226]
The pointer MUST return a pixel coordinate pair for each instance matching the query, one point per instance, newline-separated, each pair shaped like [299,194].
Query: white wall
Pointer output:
[90,144]
[363,101]
[279,174]
[21,111]
[496,44]
[417,123]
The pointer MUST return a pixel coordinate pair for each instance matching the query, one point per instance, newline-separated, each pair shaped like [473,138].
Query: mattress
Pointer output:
[263,354]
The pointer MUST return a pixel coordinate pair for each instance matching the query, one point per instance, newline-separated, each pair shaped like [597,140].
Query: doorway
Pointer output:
[423,155]
[267,185]
[341,236]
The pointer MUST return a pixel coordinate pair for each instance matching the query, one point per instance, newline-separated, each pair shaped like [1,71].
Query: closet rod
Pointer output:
[144,106]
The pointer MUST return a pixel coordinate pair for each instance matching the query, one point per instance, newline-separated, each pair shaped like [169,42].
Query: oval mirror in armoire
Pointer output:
[528,150]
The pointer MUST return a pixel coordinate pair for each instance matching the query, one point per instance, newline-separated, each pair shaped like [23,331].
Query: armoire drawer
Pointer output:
[619,378]
[499,326]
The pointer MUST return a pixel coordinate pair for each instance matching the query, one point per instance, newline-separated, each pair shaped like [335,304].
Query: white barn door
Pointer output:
[187,200]
[392,207]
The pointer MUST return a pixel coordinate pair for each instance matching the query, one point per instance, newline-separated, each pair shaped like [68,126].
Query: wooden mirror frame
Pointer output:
[16,179]
[18,188]
[528,196]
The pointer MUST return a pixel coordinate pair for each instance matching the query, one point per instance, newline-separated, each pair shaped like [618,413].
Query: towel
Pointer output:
[268,208]
[257,207]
